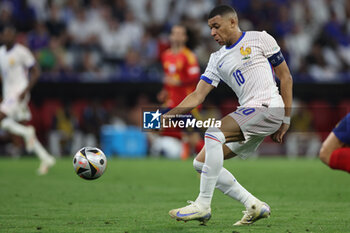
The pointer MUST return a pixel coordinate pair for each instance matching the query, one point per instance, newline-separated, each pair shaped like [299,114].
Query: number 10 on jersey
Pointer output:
[238,77]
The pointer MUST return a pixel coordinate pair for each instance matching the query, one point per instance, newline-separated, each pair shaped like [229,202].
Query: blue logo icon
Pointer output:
[151,120]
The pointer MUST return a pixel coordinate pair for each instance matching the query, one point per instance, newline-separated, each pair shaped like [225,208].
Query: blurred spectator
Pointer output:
[24,15]
[5,15]
[132,28]
[94,116]
[40,8]
[131,69]
[298,42]
[54,58]
[55,25]
[119,9]
[81,29]
[114,42]
[318,67]
[148,49]
[316,33]
[64,137]
[197,9]
[38,38]
[302,138]
[89,66]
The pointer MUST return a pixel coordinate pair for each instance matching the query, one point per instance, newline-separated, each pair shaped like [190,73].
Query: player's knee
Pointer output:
[198,166]
[324,154]
[215,134]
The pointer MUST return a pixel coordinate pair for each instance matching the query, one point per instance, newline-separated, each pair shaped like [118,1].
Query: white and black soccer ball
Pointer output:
[89,163]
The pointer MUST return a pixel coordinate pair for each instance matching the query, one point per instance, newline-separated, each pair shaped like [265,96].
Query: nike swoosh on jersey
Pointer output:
[184,215]
[221,64]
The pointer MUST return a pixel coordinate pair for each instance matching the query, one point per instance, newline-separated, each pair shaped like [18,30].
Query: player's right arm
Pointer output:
[192,100]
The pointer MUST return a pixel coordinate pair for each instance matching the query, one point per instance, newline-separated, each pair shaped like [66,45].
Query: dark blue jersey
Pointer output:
[342,130]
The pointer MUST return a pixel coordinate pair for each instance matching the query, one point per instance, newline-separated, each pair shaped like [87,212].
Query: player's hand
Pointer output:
[278,135]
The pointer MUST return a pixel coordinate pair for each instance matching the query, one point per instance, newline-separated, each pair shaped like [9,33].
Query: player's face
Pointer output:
[221,29]
[8,36]
[178,35]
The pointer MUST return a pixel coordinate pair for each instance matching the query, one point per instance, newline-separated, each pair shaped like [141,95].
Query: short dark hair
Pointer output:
[191,33]
[221,10]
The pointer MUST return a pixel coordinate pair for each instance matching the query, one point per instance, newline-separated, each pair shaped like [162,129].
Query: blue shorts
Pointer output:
[342,130]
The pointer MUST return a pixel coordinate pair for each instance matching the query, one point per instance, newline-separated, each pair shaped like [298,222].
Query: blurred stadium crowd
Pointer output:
[121,40]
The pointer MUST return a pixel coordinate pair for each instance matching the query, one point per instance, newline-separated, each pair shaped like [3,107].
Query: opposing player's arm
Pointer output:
[192,100]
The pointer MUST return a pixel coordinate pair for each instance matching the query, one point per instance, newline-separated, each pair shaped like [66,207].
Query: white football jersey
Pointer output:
[14,66]
[244,67]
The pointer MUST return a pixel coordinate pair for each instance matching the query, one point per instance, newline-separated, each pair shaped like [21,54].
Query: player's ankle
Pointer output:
[202,204]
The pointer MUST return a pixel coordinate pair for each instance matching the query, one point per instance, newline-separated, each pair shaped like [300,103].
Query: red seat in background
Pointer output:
[343,108]
[48,111]
[324,117]
[78,107]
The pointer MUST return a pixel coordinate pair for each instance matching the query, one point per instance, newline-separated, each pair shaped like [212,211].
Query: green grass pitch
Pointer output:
[136,195]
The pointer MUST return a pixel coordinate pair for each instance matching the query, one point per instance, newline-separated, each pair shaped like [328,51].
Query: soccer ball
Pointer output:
[89,163]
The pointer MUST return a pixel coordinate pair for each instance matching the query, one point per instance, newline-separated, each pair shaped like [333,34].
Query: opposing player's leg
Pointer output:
[334,154]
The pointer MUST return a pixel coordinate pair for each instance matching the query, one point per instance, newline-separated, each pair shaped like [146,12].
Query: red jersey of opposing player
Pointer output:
[184,71]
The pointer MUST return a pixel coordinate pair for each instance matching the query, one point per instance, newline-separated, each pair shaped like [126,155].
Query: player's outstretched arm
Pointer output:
[192,100]
[283,73]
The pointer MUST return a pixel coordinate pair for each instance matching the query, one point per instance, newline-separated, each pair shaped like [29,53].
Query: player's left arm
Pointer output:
[28,61]
[283,74]
[33,76]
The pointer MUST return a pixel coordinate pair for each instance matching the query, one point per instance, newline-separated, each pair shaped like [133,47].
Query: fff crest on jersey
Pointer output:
[245,52]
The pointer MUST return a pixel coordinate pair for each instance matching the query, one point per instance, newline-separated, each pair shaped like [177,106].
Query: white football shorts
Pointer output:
[15,109]
[256,123]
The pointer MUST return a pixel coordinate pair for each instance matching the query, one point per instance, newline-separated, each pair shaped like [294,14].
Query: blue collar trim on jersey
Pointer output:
[230,47]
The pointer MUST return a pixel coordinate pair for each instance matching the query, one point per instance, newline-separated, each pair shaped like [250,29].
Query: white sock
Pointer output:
[227,184]
[23,131]
[214,158]
[40,151]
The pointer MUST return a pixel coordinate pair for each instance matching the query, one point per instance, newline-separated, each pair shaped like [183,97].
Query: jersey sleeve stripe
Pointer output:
[206,79]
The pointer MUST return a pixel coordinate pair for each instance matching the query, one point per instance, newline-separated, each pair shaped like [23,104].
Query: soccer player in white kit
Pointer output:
[245,63]
[19,73]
